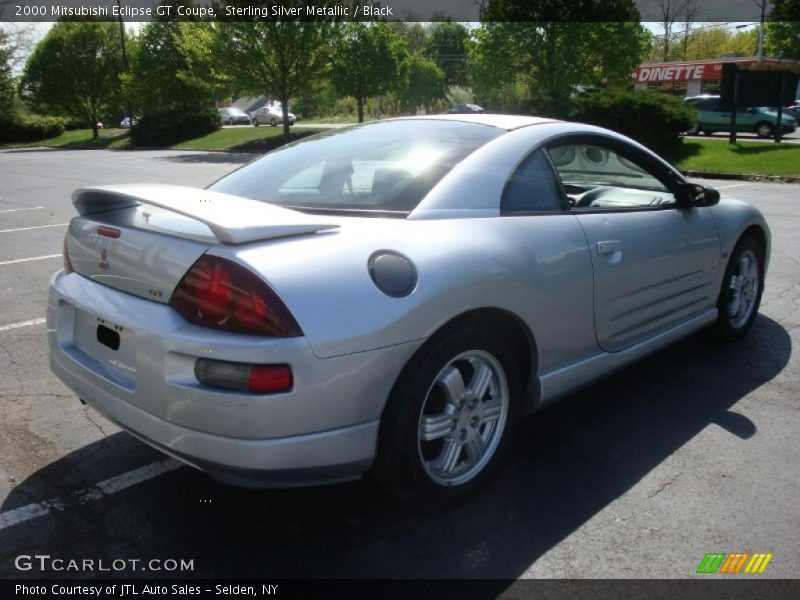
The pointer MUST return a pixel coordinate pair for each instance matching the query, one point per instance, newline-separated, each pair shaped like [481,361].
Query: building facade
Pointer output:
[688,78]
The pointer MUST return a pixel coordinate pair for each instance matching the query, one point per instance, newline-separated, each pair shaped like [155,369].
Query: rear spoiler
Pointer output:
[232,219]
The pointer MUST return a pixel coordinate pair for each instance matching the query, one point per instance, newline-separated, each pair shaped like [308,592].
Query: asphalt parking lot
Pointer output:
[693,450]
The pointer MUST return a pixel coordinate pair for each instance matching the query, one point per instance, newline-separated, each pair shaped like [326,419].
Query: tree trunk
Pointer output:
[360,102]
[285,111]
[95,133]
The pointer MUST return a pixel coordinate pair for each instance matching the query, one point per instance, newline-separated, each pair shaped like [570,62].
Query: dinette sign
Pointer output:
[678,72]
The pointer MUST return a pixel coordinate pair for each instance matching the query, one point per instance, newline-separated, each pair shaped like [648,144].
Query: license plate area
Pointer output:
[108,337]
[106,348]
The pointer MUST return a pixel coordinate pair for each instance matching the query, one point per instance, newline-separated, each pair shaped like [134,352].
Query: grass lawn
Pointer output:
[749,158]
[231,138]
[244,139]
[247,139]
[80,138]
[338,119]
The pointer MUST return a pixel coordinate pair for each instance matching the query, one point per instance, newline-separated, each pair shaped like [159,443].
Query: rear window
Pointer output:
[387,166]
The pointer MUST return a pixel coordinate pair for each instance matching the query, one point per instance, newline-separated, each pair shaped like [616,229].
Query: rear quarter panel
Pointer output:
[536,267]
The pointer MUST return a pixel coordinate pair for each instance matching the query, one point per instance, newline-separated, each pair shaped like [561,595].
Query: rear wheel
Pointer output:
[740,295]
[450,417]
[273,122]
[764,129]
[255,122]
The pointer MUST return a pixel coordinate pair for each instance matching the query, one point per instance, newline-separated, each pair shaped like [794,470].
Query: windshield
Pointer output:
[388,166]
[236,111]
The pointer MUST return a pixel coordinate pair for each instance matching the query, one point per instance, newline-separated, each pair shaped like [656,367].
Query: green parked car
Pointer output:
[762,121]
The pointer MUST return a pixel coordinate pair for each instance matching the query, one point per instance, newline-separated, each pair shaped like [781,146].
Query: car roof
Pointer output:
[507,122]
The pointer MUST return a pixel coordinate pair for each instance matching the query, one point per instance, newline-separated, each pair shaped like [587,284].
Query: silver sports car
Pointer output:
[390,298]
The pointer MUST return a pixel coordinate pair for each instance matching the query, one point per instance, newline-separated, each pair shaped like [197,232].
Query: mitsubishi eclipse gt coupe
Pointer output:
[390,298]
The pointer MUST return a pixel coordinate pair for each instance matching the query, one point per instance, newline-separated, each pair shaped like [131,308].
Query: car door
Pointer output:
[655,263]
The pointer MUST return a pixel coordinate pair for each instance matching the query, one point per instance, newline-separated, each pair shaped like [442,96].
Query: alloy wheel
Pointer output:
[463,418]
[743,289]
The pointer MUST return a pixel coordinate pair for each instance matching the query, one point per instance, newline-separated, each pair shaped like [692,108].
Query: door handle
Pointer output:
[609,247]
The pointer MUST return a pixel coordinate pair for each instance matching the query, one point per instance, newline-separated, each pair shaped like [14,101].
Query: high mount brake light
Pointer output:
[221,294]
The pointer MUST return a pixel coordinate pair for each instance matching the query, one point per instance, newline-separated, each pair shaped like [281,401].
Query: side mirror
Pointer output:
[693,194]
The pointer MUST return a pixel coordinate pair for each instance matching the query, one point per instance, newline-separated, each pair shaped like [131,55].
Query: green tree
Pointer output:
[172,66]
[6,79]
[447,47]
[544,62]
[422,83]
[782,34]
[74,71]
[414,35]
[365,62]
[492,70]
[279,58]
[714,43]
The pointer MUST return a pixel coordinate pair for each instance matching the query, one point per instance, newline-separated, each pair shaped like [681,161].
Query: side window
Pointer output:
[533,187]
[596,177]
[708,104]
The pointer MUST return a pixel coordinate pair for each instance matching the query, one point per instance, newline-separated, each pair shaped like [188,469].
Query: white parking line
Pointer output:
[725,187]
[21,260]
[36,227]
[7,210]
[22,324]
[97,491]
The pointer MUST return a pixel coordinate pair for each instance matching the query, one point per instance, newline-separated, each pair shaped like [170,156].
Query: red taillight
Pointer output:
[111,232]
[221,294]
[269,378]
[241,377]
[65,255]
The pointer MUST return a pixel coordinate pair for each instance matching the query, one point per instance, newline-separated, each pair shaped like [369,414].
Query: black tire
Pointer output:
[399,463]
[764,129]
[255,122]
[273,122]
[707,131]
[726,326]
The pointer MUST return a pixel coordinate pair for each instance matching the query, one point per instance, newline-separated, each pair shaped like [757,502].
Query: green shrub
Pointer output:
[651,118]
[170,127]
[28,127]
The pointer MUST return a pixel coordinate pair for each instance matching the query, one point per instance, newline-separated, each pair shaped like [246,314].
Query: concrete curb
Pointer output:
[743,177]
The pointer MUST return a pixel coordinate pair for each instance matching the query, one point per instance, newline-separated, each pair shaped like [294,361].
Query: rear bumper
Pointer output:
[325,429]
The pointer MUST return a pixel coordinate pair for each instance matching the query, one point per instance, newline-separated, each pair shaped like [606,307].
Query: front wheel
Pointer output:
[255,122]
[273,123]
[450,417]
[742,286]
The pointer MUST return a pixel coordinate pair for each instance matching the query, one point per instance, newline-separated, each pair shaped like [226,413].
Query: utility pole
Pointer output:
[761,31]
[125,66]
